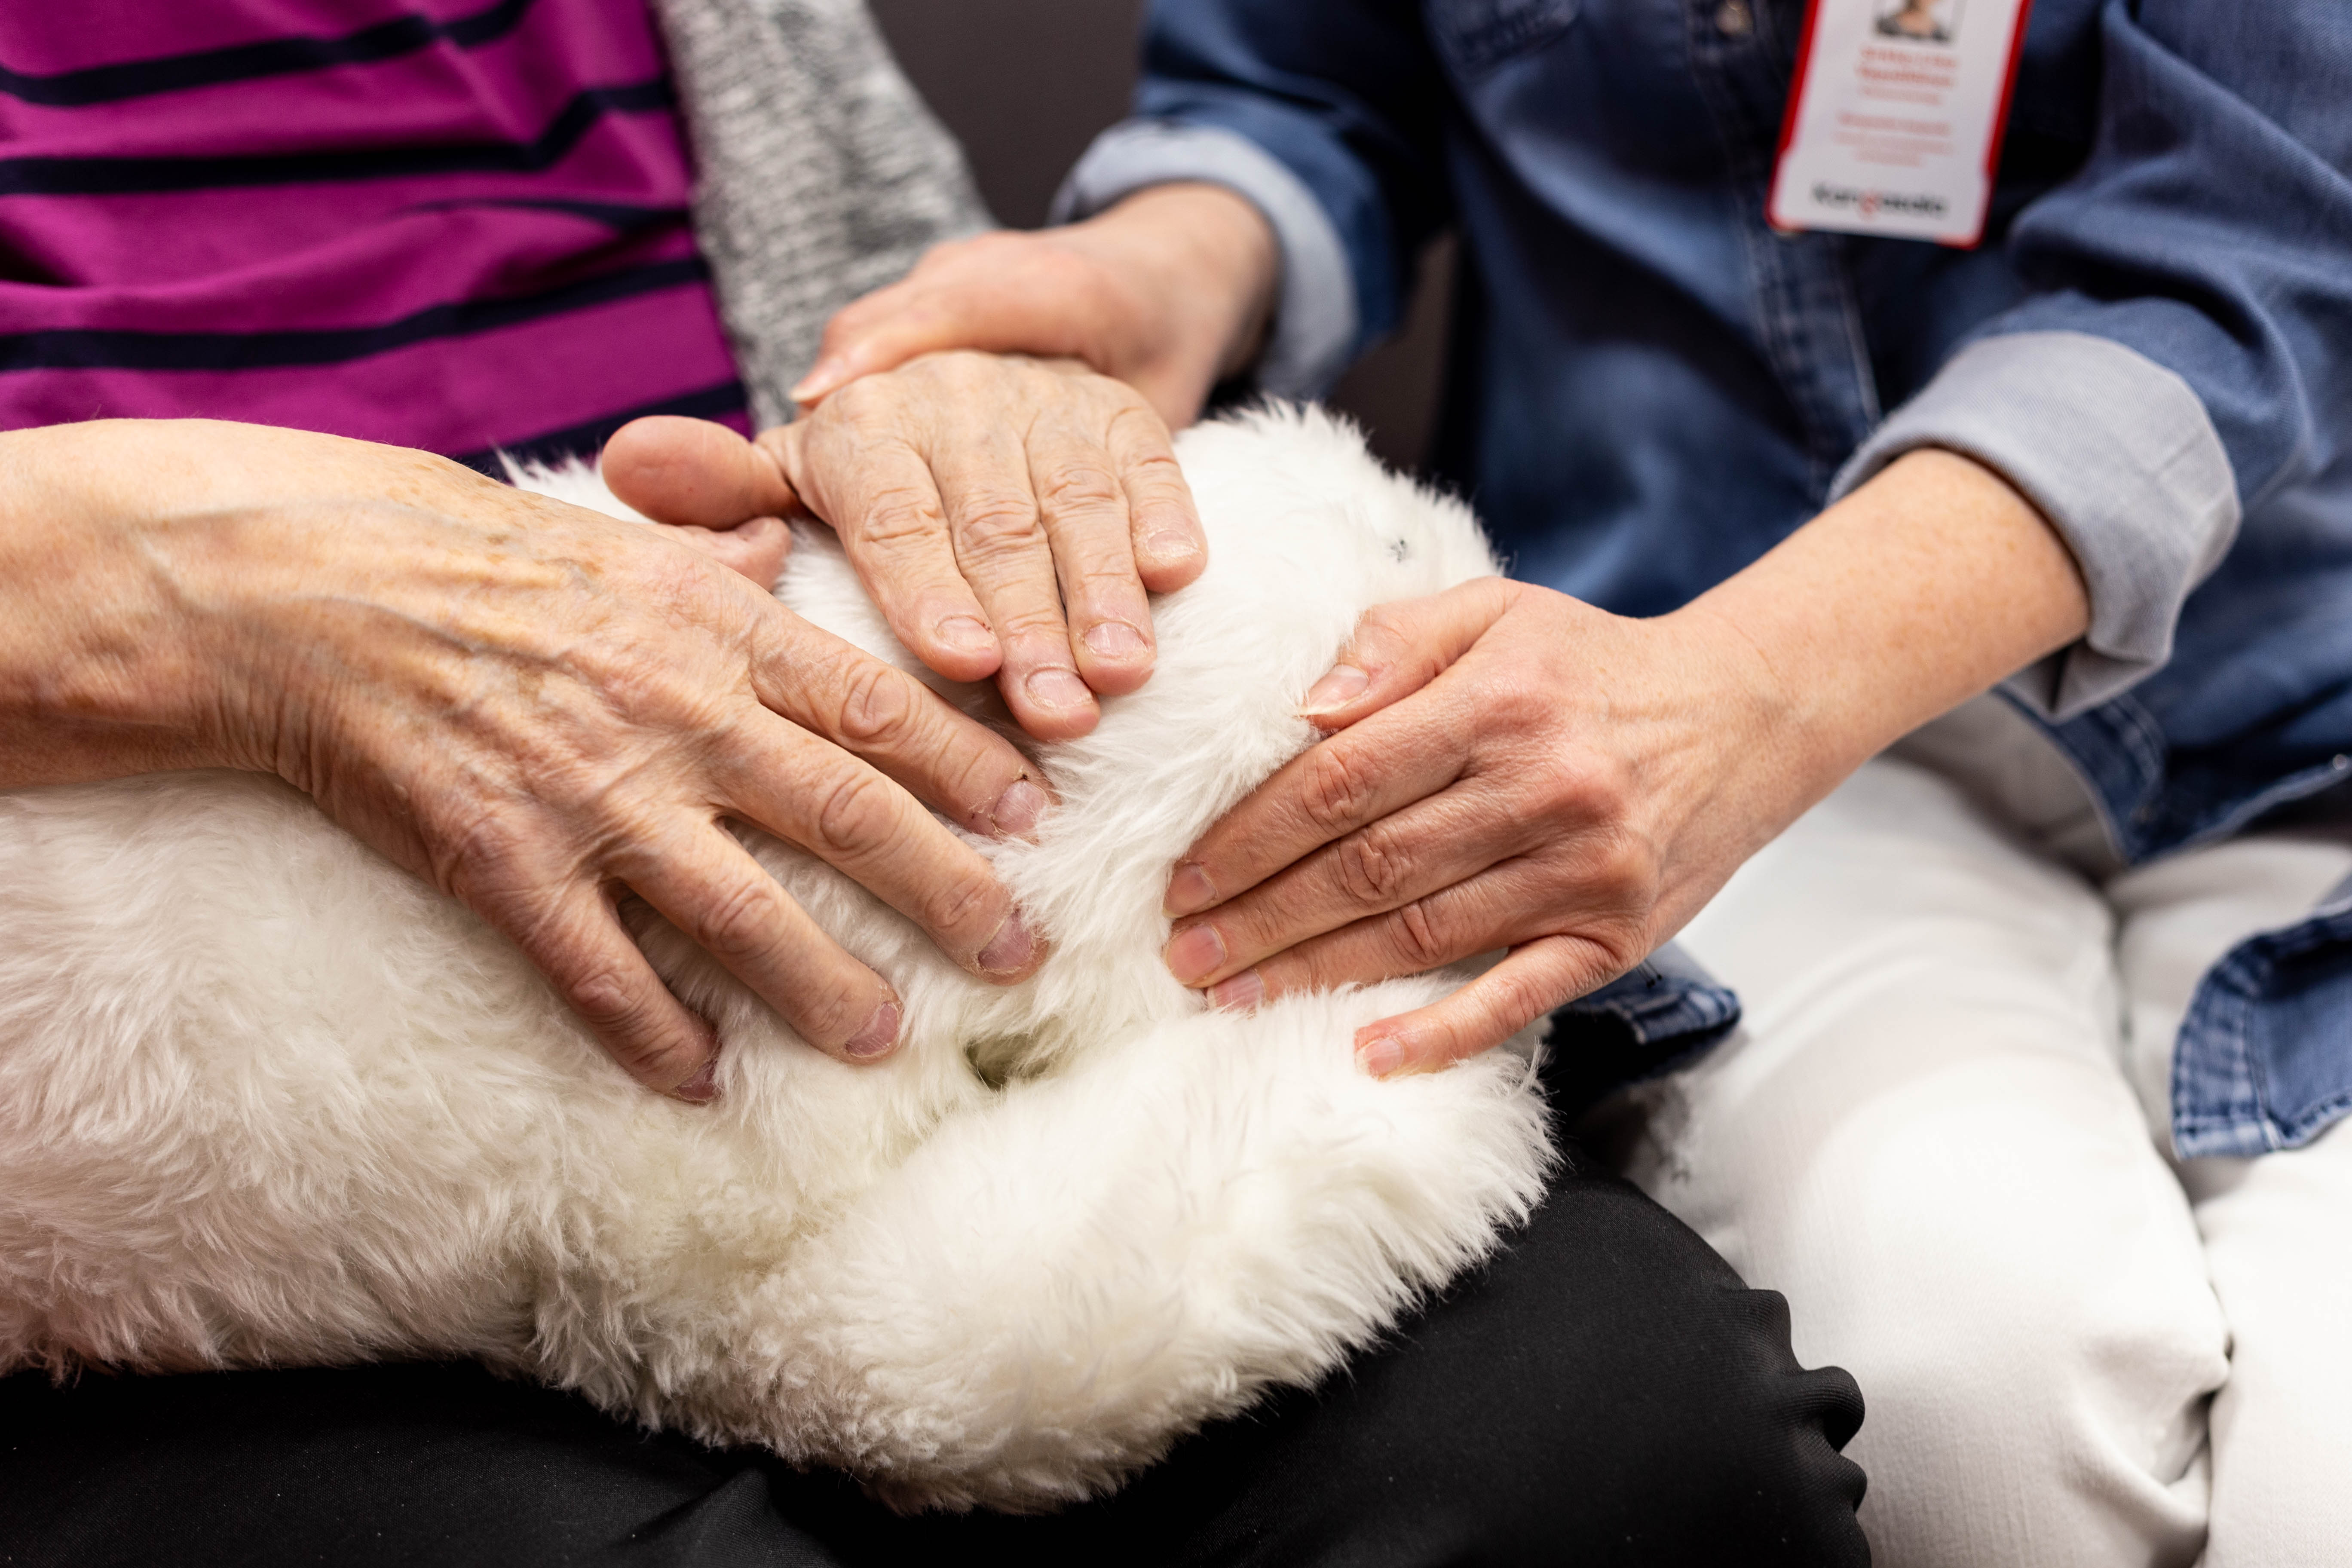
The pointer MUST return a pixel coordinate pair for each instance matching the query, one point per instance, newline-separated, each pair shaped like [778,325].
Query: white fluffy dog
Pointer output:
[267,1100]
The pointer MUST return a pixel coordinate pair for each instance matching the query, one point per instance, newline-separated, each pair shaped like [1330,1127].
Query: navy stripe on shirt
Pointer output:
[621,217]
[587,438]
[126,176]
[271,56]
[67,348]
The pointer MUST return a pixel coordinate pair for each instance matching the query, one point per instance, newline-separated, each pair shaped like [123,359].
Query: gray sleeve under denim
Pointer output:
[1315,313]
[2118,454]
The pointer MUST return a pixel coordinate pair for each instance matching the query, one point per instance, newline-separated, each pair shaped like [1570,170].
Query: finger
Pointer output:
[692,471]
[1486,912]
[871,830]
[1170,551]
[1443,840]
[755,549]
[1327,791]
[1002,550]
[586,954]
[877,493]
[1531,981]
[1399,648]
[705,885]
[882,714]
[1082,508]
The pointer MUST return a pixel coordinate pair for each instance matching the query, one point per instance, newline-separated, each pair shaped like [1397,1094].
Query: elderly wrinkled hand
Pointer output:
[1009,515]
[538,708]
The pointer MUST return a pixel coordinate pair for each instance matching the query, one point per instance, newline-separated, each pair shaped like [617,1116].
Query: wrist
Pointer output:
[1779,745]
[100,673]
[1921,589]
[1207,266]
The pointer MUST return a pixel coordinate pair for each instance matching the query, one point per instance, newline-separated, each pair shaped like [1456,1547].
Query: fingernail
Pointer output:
[1170,547]
[1380,1057]
[820,380]
[1344,684]
[1011,949]
[703,1087]
[1115,640]
[963,632]
[1057,688]
[1018,808]
[1237,994]
[879,1038]
[1195,953]
[1190,891]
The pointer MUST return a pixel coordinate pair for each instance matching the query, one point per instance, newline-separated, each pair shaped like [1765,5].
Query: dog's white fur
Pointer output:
[264,1100]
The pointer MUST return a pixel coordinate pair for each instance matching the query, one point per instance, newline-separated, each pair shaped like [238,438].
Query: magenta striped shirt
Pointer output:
[434,223]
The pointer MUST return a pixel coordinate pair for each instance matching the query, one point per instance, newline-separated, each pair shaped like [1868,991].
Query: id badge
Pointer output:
[1895,119]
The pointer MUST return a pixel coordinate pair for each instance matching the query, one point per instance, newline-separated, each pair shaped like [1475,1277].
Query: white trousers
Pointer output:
[1933,1133]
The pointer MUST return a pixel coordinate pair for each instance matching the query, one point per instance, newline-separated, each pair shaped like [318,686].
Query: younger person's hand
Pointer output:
[1506,766]
[1168,290]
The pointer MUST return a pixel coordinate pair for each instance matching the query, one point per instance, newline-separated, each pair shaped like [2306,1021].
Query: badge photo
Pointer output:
[1919,21]
[1895,118]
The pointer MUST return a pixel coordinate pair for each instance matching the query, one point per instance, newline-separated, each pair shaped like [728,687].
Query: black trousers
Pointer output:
[1606,1392]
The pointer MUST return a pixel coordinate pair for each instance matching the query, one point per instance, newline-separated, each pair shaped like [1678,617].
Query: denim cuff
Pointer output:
[1666,1003]
[2119,453]
[1315,313]
[1663,1015]
[2252,1070]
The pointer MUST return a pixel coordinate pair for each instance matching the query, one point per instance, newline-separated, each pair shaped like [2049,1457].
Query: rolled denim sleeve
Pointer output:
[2182,355]
[1328,118]
[2119,453]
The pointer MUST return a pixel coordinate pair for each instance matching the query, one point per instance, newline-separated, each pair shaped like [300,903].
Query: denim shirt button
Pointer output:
[1733,19]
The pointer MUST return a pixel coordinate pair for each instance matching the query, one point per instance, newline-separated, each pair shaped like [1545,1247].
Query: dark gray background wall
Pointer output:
[1026,84]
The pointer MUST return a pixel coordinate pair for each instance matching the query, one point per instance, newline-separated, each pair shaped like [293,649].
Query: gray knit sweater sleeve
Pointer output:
[819,175]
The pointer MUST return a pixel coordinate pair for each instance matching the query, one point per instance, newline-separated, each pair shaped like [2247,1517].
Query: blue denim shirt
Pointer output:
[1650,387]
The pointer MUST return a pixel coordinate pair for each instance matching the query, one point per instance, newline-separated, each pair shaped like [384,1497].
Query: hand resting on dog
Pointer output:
[542,710]
[534,707]
[977,495]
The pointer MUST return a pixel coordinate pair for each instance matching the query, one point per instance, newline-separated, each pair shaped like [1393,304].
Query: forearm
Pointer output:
[1926,587]
[94,680]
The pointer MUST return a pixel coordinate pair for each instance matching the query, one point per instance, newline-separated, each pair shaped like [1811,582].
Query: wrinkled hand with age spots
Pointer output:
[538,708]
[1008,515]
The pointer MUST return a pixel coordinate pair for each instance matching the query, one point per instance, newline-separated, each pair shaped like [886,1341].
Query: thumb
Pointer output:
[755,549]
[1399,648]
[693,472]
